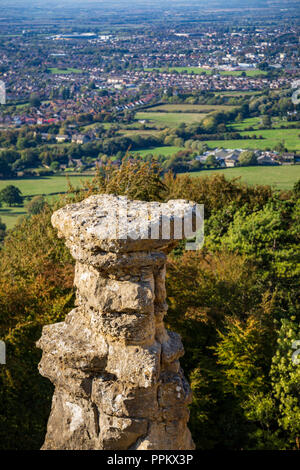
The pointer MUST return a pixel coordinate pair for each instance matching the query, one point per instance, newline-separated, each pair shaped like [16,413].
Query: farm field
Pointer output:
[200,70]
[279,177]
[290,137]
[170,119]
[192,108]
[166,151]
[33,187]
[140,132]
[249,122]
[255,123]
[271,137]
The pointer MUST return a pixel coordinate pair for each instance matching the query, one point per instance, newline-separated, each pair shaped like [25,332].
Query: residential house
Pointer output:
[62,138]
[80,139]
[265,159]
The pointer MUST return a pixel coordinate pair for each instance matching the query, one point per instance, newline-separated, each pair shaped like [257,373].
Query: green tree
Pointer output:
[296,188]
[54,165]
[36,205]
[11,195]
[285,376]
[34,100]
[136,179]
[209,124]
[2,230]
[4,168]
[266,121]
[211,161]
[280,147]
[247,158]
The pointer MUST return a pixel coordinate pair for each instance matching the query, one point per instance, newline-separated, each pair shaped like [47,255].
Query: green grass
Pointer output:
[55,70]
[255,123]
[290,137]
[34,187]
[249,122]
[105,125]
[10,215]
[271,137]
[141,132]
[42,185]
[195,70]
[249,73]
[166,151]
[171,119]
[200,70]
[277,122]
[238,93]
[279,177]
[191,108]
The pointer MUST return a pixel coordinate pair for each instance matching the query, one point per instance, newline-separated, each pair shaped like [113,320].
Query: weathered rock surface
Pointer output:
[118,381]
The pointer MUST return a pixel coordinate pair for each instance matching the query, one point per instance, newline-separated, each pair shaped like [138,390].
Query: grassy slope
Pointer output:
[279,177]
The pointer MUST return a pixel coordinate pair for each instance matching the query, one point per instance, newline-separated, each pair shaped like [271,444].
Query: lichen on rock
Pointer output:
[115,367]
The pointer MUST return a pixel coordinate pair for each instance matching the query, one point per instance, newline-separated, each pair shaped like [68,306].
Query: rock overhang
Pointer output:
[116,224]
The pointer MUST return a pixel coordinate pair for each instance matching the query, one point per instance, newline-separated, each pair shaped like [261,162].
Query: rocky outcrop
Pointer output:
[118,381]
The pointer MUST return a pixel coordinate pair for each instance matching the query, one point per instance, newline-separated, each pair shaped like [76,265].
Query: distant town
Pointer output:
[192,95]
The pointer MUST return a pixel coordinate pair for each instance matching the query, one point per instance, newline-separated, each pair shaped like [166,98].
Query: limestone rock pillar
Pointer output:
[118,381]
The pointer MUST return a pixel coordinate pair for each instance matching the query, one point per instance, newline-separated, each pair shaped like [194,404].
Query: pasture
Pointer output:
[279,177]
[170,119]
[166,151]
[271,137]
[255,122]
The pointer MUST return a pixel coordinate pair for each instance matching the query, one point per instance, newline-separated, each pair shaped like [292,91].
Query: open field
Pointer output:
[255,123]
[105,125]
[279,177]
[237,93]
[191,108]
[42,185]
[195,70]
[166,151]
[290,137]
[55,70]
[140,132]
[171,119]
[271,137]
[33,187]
[249,73]
[200,70]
